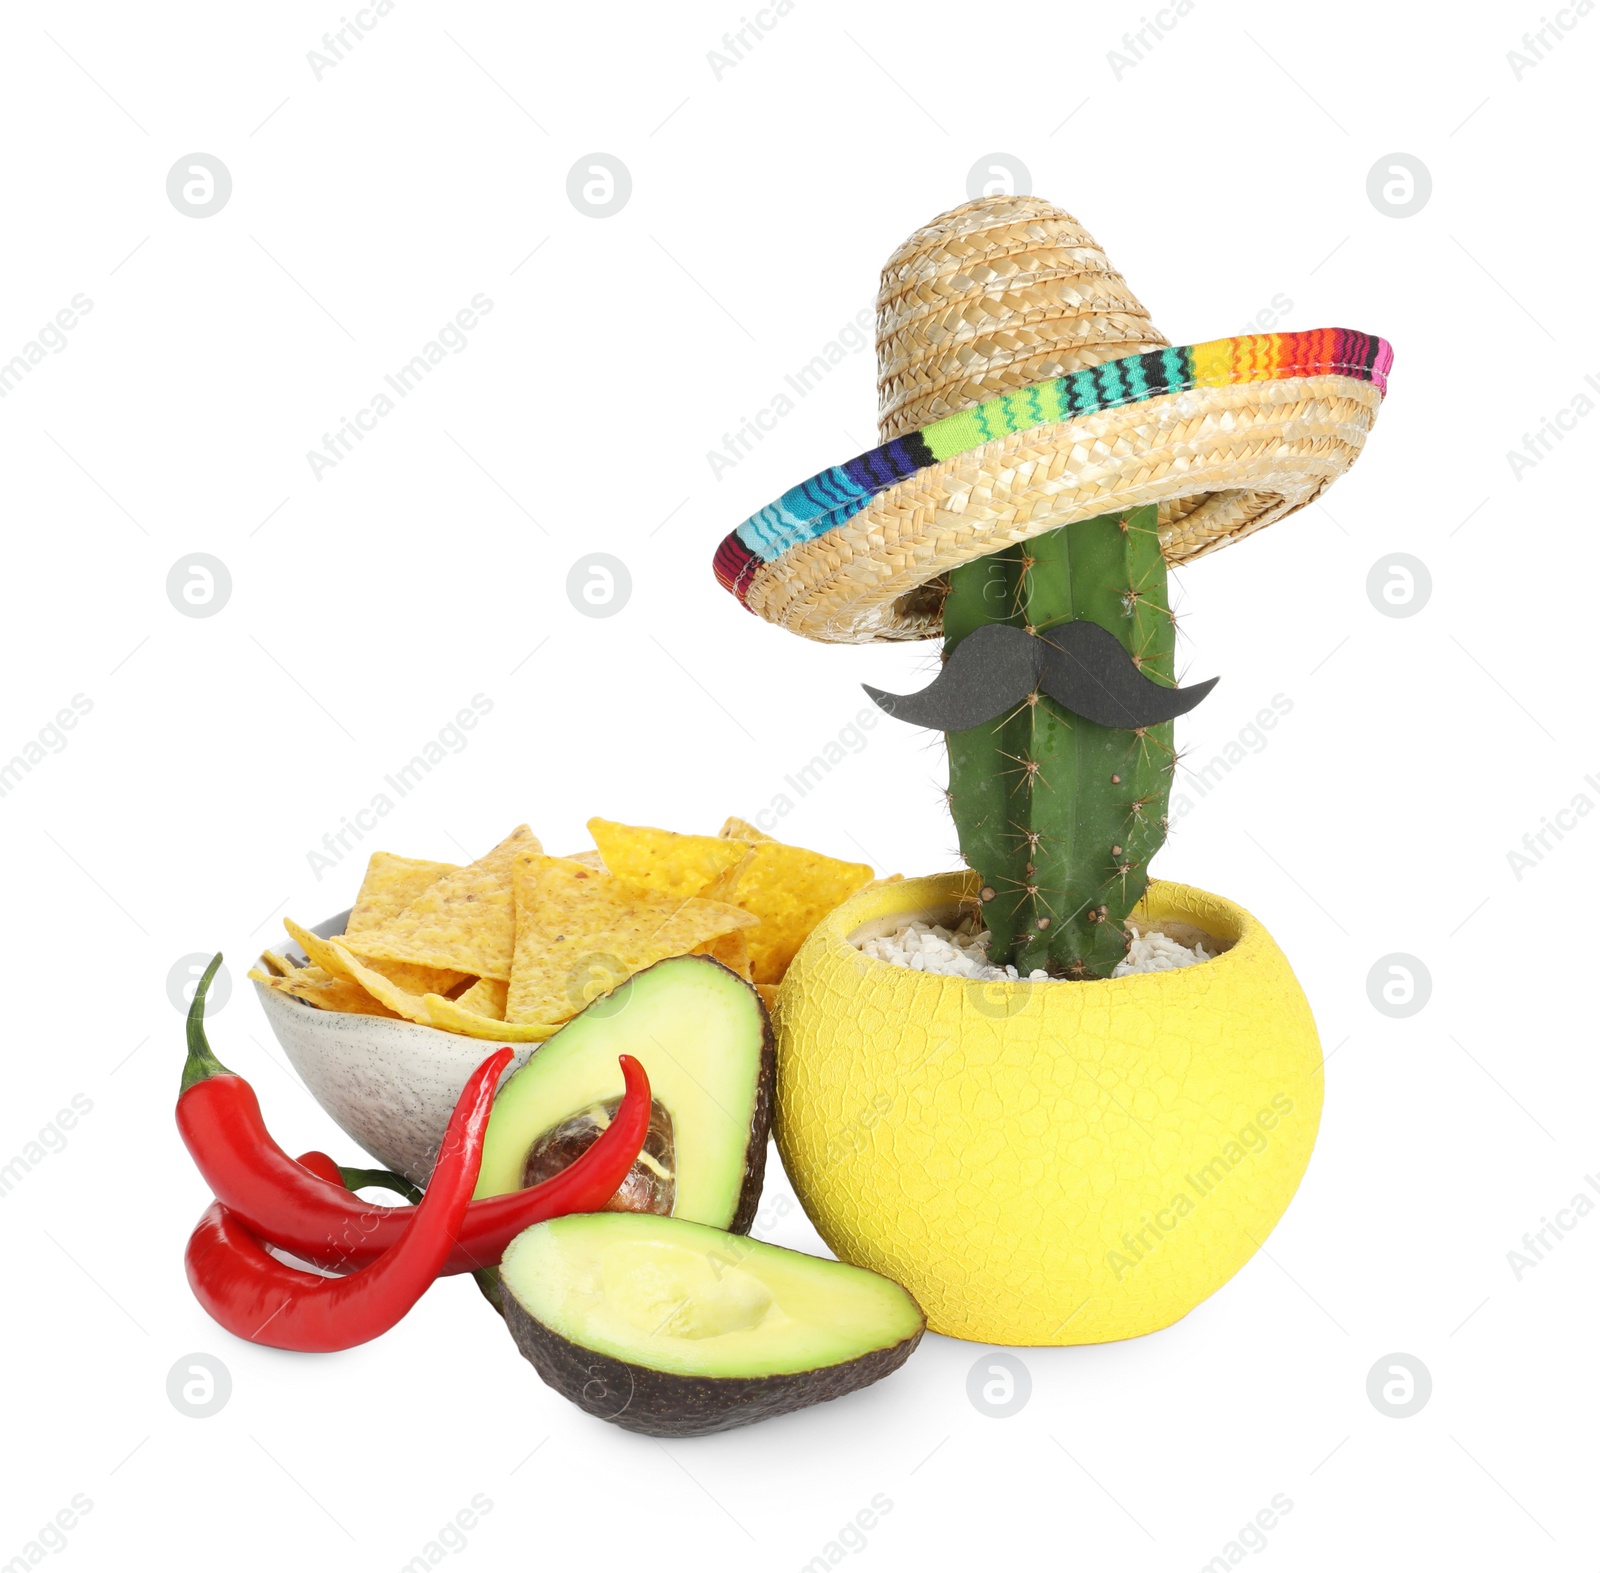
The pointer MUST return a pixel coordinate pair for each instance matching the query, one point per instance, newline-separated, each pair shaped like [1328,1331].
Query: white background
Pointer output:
[1226,167]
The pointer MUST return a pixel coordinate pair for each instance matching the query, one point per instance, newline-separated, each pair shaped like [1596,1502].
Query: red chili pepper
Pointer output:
[254,1295]
[321,1165]
[317,1219]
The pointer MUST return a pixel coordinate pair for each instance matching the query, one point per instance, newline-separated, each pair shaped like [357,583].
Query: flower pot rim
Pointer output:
[933,893]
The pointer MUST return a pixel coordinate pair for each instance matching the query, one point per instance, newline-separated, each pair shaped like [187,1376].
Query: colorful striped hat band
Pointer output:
[1224,437]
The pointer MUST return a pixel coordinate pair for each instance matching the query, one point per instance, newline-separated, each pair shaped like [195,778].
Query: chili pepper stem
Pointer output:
[383,1179]
[201,1064]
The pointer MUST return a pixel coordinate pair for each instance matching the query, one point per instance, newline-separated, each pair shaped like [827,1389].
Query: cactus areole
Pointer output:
[1045,454]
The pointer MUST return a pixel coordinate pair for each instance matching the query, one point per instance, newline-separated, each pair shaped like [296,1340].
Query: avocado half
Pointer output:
[702,1034]
[673,1329]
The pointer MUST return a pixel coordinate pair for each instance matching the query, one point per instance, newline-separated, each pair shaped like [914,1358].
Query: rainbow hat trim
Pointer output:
[835,495]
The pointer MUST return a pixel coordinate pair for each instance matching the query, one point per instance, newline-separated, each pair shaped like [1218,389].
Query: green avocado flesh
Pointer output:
[674,1329]
[702,1035]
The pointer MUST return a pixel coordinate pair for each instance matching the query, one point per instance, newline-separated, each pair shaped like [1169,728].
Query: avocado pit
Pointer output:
[651,1185]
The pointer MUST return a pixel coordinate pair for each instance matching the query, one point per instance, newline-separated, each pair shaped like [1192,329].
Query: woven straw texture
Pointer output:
[1002,293]
[996,294]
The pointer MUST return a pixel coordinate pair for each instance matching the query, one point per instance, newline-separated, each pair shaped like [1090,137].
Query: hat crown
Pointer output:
[997,294]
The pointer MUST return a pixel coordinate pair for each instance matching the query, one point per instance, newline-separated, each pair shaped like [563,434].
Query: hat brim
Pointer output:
[1224,437]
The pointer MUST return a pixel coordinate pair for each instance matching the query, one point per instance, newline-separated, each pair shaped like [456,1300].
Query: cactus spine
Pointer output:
[1058,816]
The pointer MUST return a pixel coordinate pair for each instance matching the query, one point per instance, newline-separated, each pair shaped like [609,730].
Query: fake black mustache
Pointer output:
[1080,665]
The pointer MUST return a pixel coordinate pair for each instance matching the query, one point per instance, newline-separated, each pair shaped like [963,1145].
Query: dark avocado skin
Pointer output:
[755,1153]
[657,1403]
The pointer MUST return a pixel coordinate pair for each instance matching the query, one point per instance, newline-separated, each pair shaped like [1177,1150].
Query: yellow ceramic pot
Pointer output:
[1046,1163]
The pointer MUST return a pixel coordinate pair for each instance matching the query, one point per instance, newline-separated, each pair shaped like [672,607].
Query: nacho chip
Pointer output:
[486,997]
[434,1010]
[311,977]
[732,950]
[791,890]
[665,860]
[741,830]
[580,932]
[401,1001]
[316,987]
[405,975]
[461,923]
[724,888]
[273,980]
[390,886]
[275,964]
[448,1016]
[769,995]
[589,859]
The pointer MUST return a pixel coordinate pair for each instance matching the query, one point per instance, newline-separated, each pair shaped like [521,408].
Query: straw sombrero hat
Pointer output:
[1023,387]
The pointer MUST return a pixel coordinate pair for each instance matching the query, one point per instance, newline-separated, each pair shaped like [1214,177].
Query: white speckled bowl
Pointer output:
[390,1085]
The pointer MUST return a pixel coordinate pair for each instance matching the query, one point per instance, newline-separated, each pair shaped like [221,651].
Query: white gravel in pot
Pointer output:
[962,952]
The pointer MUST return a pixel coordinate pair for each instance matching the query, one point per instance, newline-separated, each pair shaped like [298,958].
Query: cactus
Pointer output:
[1058,816]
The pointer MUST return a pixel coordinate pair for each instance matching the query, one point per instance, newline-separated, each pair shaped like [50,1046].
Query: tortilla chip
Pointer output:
[724,888]
[301,980]
[390,886]
[461,923]
[316,987]
[741,830]
[312,977]
[486,997]
[732,950]
[589,859]
[273,980]
[275,964]
[401,1001]
[769,995]
[665,860]
[580,932]
[405,975]
[791,890]
[434,1010]
[448,1016]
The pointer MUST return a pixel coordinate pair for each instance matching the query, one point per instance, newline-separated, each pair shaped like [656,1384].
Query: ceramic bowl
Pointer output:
[389,1085]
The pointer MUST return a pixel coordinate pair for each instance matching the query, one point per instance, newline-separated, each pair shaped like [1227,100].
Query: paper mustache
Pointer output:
[1080,665]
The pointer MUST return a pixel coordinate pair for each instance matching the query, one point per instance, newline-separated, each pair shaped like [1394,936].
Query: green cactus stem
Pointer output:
[1059,816]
